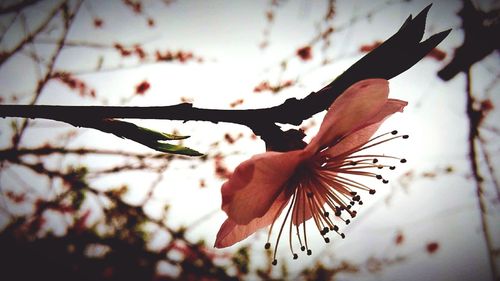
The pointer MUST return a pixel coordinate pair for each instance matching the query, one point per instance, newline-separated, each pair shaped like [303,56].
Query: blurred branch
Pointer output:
[474,119]
[68,17]
[489,164]
[397,54]
[480,39]
[42,151]
[15,7]
[30,37]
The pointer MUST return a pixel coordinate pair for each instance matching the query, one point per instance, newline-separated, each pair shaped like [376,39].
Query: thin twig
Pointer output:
[473,134]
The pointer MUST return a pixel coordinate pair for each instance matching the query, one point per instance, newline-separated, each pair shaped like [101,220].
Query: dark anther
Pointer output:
[295,256]
[372,191]
[327,240]
[302,248]
[351,203]
[353,193]
[347,221]
[309,194]
[338,213]
[406,136]
[275,262]
[354,213]
[360,202]
[309,252]
[325,229]
[342,235]
[378,177]
[335,228]
[353,163]
[392,167]
[375,160]
[267,246]
[385,181]
[356,198]
[326,214]
[403,160]
[380,166]
[349,207]
[394,132]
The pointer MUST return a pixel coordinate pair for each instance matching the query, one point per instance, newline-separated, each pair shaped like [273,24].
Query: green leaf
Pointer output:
[175,149]
[160,135]
[150,138]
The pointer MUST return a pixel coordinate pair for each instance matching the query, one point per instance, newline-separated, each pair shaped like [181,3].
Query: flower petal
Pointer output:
[256,183]
[231,232]
[363,134]
[351,110]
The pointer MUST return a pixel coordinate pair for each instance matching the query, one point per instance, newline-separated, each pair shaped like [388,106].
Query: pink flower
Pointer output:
[312,182]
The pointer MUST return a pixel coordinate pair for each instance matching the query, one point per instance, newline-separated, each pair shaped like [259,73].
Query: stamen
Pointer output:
[327,189]
[281,229]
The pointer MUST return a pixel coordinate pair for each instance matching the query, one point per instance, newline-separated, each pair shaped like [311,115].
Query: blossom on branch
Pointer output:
[313,182]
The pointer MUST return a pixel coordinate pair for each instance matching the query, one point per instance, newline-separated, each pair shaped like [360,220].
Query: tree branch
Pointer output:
[397,54]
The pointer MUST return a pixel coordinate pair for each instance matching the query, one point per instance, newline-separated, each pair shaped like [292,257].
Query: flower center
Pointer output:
[320,188]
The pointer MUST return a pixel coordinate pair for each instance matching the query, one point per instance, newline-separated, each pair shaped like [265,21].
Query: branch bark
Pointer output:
[397,54]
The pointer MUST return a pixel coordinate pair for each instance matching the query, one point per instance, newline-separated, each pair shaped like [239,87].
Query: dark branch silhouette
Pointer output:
[481,38]
[397,54]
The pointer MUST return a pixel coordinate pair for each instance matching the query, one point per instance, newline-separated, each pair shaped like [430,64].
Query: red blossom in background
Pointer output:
[142,87]
[136,6]
[266,86]
[75,84]
[16,198]
[151,22]
[236,103]
[98,22]
[437,54]
[399,239]
[181,56]
[486,106]
[432,247]
[123,51]
[232,139]
[221,169]
[81,222]
[126,52]
[138,50]
[305,53]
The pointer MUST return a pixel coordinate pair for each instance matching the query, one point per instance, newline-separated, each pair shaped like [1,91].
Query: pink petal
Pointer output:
[256,183]
[351,110]
[363,134]
[231,232]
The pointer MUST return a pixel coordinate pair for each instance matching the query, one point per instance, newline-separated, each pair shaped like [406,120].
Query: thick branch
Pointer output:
[396,55]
